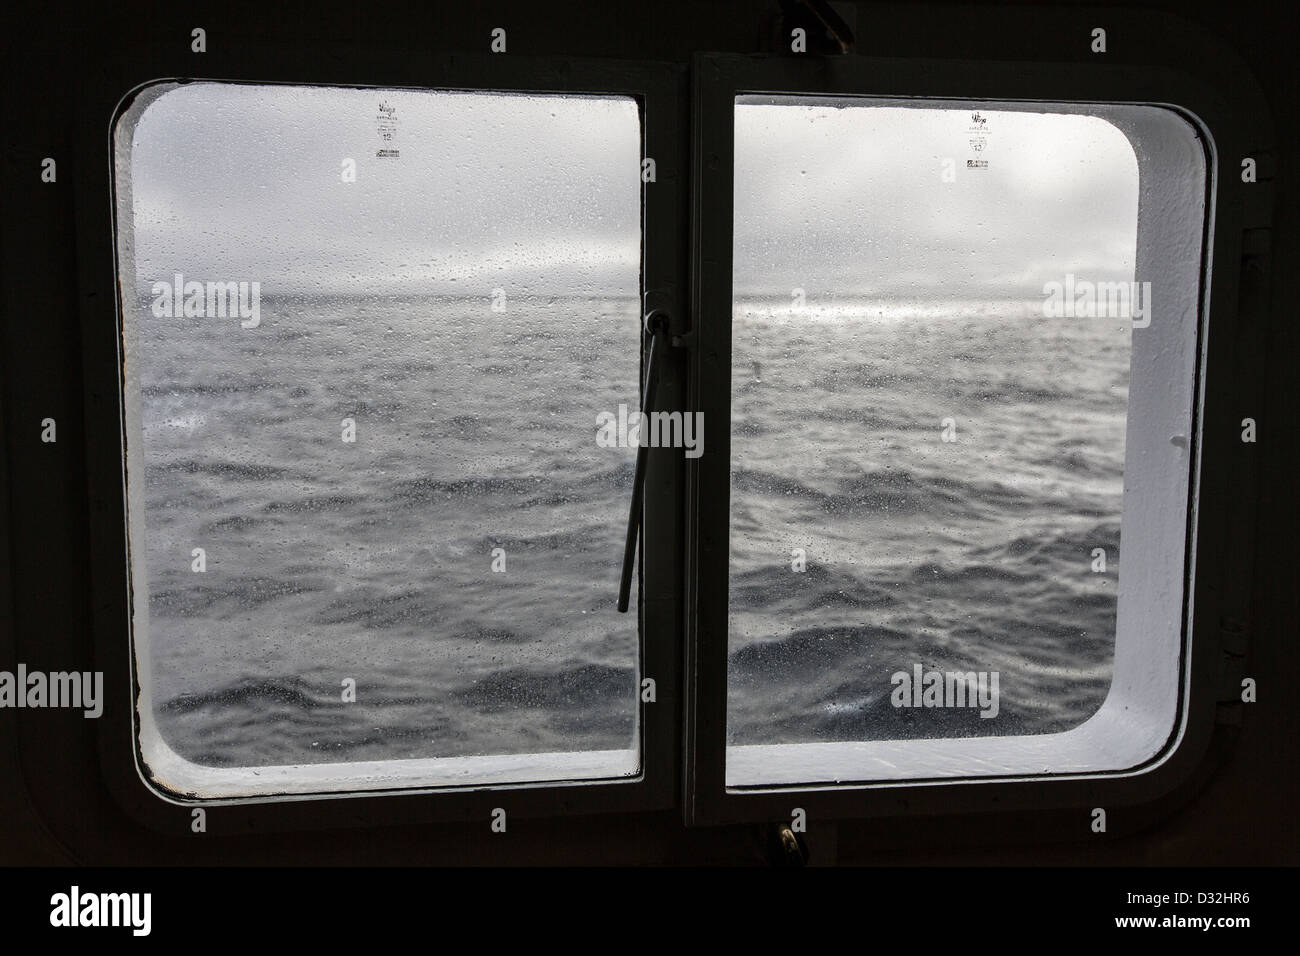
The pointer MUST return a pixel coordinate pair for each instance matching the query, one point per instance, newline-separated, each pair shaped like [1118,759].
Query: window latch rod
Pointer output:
[656,324]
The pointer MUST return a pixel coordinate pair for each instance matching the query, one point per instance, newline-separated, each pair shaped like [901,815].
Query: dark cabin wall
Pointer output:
[53,807]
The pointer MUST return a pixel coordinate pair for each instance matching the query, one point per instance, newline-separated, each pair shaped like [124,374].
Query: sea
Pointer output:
[403,500]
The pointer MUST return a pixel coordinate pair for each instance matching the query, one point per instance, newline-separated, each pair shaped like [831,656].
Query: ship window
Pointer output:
[963,366]
[366,332]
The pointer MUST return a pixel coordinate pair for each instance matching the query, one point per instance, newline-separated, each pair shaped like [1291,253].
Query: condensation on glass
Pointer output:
[935,315]
[366,336]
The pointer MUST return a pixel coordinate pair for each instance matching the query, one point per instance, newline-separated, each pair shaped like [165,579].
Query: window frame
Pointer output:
[1229,121]
[659,90]
[680,557]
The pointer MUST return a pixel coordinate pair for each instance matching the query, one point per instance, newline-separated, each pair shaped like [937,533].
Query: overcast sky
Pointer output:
[853,201]
[531,193]
[541,194]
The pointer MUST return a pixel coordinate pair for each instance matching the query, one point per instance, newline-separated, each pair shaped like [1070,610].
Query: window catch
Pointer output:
[656,326]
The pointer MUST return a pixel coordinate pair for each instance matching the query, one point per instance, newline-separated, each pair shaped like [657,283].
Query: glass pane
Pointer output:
[927,463]
[370,520]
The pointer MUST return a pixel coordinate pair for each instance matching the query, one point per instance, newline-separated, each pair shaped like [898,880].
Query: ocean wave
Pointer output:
[575,686]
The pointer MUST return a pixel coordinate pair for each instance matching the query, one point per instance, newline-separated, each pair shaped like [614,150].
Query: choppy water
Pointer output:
[971,555]
[372,560]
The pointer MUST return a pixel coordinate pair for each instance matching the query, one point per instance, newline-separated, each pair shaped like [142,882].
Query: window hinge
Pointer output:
[1233,641]
[833,34]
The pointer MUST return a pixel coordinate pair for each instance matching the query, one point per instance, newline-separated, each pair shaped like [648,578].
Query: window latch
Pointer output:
[656,325]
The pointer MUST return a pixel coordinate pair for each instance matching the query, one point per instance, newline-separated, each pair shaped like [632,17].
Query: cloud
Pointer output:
[542,194]
[850,200]
[244,182]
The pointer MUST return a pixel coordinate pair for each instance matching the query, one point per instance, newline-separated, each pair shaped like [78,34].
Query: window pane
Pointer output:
[373,474]
[928,448]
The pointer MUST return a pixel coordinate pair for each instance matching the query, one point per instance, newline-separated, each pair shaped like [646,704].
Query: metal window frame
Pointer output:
[1230,109]
[660,92]
[681,559]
